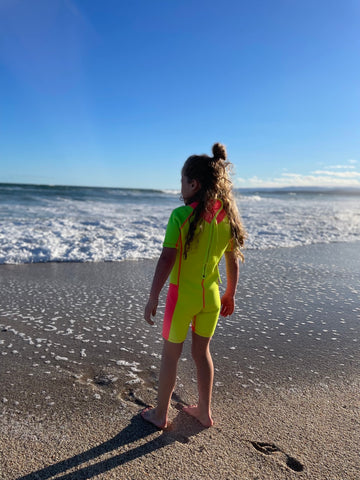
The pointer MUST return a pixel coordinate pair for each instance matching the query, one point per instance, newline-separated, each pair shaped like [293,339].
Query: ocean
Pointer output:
[84,224]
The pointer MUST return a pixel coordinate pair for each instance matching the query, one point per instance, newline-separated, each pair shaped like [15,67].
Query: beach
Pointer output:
[79,363]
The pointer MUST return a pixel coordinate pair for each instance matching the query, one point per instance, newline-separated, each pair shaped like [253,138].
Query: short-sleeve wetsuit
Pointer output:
[193,295]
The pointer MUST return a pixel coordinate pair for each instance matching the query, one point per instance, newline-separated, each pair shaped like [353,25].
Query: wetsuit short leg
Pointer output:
[184,307]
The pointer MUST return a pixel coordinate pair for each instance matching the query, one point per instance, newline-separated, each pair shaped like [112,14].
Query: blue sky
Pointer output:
[120,93]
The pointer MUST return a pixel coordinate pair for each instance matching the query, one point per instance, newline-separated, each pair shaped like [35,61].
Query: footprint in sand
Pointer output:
[271,449]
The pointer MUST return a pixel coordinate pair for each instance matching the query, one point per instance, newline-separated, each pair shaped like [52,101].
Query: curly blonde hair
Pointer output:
[213,175]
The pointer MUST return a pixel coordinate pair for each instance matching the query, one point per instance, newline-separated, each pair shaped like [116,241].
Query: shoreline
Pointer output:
[79,358]
[246,251]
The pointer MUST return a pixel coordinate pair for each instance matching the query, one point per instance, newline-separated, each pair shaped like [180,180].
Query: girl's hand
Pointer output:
[150,310]
[227,305]
[162,271]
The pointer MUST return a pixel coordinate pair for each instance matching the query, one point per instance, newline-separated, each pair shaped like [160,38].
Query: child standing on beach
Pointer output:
[197,236]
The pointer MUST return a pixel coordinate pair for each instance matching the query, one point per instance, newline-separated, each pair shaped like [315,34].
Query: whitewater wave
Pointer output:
[70,224]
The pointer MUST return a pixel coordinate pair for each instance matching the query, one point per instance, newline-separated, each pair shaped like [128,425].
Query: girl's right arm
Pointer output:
[232,276]
[163,269]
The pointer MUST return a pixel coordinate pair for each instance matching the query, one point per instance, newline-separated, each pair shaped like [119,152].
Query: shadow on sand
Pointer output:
[182,428]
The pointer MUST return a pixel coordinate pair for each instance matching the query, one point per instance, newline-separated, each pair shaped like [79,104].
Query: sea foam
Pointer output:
[74,224]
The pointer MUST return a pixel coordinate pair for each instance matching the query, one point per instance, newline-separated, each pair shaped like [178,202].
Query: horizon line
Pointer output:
[166,189]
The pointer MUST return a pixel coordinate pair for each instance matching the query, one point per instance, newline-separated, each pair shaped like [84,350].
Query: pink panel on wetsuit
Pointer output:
[171,302]
[221,216]
[210,215]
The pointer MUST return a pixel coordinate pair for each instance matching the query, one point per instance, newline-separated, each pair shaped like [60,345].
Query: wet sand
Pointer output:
[78,363]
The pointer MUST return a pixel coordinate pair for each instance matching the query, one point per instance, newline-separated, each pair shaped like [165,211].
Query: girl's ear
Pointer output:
[195,185]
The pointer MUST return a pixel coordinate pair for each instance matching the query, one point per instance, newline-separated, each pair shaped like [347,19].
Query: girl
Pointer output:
[197,236]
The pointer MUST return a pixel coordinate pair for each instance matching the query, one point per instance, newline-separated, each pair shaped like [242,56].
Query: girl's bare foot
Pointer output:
[150,415]
[204,418]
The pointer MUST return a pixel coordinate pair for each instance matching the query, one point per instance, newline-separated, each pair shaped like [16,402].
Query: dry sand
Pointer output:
[78,364]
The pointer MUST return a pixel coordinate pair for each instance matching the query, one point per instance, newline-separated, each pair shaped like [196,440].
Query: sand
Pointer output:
[78,364]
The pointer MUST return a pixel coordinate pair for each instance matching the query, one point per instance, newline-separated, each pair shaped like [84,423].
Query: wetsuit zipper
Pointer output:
[208,248]
[212,226]
[210,241]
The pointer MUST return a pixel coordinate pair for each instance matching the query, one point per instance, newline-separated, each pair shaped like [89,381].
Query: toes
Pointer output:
[144,413]
[148,415]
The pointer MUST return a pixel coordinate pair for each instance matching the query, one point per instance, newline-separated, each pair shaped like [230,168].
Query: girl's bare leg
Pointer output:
[170,357]
[205,376]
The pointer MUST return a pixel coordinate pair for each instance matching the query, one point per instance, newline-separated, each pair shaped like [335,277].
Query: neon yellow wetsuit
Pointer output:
[193,294]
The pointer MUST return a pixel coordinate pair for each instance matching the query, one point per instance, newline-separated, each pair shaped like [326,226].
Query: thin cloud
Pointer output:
[351,163]
[341,175]
[314,179]
[340,167]
[318,179]
[337,174]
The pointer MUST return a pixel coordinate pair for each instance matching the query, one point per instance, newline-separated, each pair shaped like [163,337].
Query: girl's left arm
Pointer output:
[162,271]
